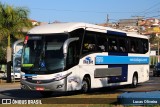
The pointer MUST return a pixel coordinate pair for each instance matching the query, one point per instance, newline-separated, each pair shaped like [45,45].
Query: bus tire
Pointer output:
[85,85]
[134,81]
[46,93]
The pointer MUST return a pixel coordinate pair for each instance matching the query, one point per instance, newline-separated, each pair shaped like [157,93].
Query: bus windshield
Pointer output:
[43,54]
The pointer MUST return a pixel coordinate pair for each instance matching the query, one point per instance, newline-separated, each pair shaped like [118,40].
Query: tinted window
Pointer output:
[113,45]
[133,45]
[102,43]
[89,43]
[138,45]
[145,46]
[123,46]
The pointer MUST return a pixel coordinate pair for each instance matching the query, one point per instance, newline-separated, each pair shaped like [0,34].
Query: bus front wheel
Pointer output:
[85,85]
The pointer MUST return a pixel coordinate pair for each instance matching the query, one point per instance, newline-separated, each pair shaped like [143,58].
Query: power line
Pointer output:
[151,7]
[82,11]
[153,16]
[151,12]
[145,11]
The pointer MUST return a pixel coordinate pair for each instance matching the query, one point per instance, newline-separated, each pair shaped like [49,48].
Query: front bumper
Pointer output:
[40,86]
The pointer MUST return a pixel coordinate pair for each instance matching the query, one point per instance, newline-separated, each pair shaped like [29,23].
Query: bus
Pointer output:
[81,56]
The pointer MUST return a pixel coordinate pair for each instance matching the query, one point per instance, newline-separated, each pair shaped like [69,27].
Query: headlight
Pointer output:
[61,76]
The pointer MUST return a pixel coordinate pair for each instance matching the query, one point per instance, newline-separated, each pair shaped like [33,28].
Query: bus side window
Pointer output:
[113,45]
[140,46]
[132,46]
[101,43]
[89,44]
[122,45]
[145,46]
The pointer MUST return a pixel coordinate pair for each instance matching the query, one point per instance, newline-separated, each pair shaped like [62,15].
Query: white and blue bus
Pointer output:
[81,56]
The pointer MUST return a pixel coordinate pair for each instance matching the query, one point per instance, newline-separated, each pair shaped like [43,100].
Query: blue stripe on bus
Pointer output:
[121,60]
[123,77]
[116,33]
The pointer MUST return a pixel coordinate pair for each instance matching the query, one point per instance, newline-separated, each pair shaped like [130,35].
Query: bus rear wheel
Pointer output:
[134,81]
[85,85]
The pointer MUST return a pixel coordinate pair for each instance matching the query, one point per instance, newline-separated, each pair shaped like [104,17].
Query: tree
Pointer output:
[13,20]
[153,39]
[3,51]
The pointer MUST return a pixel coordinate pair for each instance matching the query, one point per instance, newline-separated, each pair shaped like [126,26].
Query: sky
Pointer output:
[89,11]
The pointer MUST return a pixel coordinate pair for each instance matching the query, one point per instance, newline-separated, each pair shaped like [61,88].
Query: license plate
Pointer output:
[39,88]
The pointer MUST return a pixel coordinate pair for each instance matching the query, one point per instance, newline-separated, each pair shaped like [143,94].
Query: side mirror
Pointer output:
[65,46]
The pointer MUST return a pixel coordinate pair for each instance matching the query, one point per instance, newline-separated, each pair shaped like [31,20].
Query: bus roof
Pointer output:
[68,27]
[65,27]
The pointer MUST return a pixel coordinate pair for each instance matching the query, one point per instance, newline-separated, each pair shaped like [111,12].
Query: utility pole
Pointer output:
[138,19]
[9,54]
[158,45]
[107,19]
[158,50]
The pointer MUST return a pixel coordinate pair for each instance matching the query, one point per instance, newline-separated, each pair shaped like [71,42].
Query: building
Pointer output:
[128,22]
[150,26]
[35,23]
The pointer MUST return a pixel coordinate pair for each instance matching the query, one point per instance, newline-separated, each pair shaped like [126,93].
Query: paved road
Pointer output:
[13,90]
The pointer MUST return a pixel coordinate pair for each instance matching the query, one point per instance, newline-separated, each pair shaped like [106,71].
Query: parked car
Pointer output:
[2,74]
[15,75]
[156,70]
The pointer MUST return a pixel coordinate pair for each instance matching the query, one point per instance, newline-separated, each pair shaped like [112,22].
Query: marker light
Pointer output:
[26,39]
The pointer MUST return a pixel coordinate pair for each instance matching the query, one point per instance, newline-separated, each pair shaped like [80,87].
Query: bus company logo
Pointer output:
[39,82]
[88,60]
[42,64]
